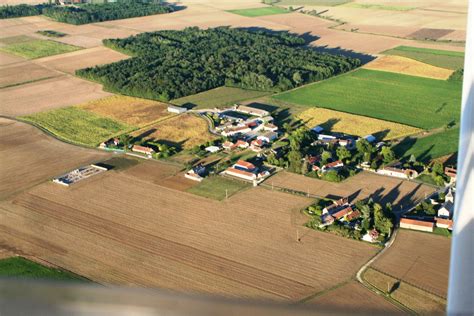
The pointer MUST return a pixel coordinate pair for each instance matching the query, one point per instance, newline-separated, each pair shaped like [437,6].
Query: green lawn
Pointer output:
[18,267]
[435,57]
[219,97]
[426,178]
[215,187]
[38,48]
[254,12]
[429,147]
[77,125]
[420,102]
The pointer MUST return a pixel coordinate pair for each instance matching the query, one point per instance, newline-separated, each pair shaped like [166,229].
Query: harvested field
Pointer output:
[184,131]
[421,259]
[7,59]
[24,72]
[410,296]
[29,157]
[335,121]
[355,298]
[436,57]
[312,2]
[219,97]
[381,189]
[70,62]
[408,66]
[135,232]
[129,110]
[429,33]
[48,94]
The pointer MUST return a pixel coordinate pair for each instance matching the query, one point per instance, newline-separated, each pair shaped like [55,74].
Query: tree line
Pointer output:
[15,11]
[172,64]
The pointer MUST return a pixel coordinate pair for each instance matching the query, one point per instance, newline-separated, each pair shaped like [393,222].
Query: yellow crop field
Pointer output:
[408,66]
[183,131]
[131,111]
[354,124]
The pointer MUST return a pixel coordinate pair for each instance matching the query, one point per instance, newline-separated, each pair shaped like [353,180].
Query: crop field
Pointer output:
[428,147]
[356,298]
[218,97]
[77,125]
[184,131]
[180,241]
[407,66]
[29,157]
[420,301]
[218,188]
[328,3]
[255,12]
[381,7]
[354,124]
[128,110]
[401,193]
[47,94]
[386,96]
[21,268]
[24,72]
[421,259]
[38,48]
[439,58]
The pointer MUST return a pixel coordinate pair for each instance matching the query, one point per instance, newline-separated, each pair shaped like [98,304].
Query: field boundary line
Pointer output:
[320,293]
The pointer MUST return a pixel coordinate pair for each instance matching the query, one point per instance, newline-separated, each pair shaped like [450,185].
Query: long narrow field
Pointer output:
[401,193]
[135,232]
[421,259]
[24,72]
[436,57]
[384,95]
[29,157]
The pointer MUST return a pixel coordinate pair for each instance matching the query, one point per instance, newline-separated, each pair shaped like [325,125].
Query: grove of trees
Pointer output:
[171,64]
[15,11]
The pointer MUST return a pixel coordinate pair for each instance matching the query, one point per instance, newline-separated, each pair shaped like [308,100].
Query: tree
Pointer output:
[363,146]
[295,161]
[382,223]
[437,168]
[387,154]
[325,156]
[343,153]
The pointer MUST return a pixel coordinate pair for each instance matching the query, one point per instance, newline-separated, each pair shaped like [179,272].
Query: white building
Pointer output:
[176,109]
[268,137]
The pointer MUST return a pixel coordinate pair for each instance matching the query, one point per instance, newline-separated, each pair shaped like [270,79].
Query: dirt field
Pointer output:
[29,157]
[356,298]
[70,62]
[336,121]
[136,232]
[23,72]
[408,66]
[184,131]
[48,94]
[131,111]
[420,259]
[401,193]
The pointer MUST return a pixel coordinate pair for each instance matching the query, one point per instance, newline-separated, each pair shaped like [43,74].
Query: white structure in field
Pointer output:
[176,109]
[79,174]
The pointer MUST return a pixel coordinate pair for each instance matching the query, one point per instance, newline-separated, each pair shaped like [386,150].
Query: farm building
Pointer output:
[317,129]
[228,145]
[444,223]
[326,220]
[252,111]
[332,166]
[242,144]
[245,170]
[417,225]
[196,173]
[256,145]
[176,109]
[270,127]
[143,150]
[451,173]
[236,130]
[212,149]
[268,137]
[79,174]
[342,213]
[111,142]
[446,210]
[370,138]
[396,170]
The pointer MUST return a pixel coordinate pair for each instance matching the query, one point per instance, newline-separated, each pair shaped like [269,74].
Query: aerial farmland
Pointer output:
[252,150]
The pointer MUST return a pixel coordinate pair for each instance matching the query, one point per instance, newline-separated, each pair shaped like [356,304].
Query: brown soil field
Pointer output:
[355,298]
[84,58]
[136,232]
[408,66]
[428,33]
[48,94]
[421,259]
[7,59]
[28,157]
[129,110]
[382,189]
[184,131]
[23,72]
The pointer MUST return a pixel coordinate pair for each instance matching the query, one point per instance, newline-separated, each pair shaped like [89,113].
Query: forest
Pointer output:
[88,13]
[171,64]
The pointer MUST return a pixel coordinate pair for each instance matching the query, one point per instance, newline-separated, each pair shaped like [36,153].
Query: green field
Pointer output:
[38,48]
[215,187]
[259,11]
[219,97]
[328,3]
[435,57]
[420,102]
[429,147]
[77,125]
[18,267]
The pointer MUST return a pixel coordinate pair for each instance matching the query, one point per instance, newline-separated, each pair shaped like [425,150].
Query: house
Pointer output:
[313,159]
[111,142]
[370,138]
[332,166]
[451,173]
[212,149]
[176,109]
[256,145]
[270,127]
[244,165]
[326,138]
[326,220]
[236,130]
[267,119]
[343,212]
[447,209]
[371,236]
[252,111]
[317,129]
[336,206]
[143,150]
[444,223]
[353,215]
[417,225]
[242,144]
[228,145]
[246,170]
[196,173]
[268,137]
[395,169]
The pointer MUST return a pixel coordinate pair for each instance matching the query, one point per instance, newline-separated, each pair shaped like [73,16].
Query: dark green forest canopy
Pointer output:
[173,64]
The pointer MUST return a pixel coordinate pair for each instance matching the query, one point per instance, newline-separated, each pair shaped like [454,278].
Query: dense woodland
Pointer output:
[88,13]
[173,64]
